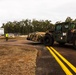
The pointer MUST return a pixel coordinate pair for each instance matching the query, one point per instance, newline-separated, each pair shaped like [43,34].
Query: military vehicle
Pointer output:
[36,36]
[64,32]
[30,36]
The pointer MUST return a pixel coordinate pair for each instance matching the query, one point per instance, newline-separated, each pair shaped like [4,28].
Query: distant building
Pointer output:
[1,31]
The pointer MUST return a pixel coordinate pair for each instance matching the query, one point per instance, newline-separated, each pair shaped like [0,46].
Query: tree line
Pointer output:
[29,26]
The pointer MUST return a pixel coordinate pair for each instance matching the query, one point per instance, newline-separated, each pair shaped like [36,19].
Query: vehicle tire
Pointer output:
[48,40]
[28,38]
[74,43]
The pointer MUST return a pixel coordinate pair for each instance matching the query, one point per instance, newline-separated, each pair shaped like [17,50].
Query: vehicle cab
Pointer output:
[64,32]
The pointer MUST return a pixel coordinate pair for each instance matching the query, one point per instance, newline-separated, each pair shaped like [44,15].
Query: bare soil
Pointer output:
[17,58]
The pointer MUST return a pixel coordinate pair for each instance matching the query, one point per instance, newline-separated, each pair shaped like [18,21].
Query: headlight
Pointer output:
[64,34]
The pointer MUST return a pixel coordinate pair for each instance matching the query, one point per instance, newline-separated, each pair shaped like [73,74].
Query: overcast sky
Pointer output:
[54,10]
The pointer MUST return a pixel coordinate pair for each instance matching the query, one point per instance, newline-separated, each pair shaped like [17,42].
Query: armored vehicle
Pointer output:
[36,36]
[64,32]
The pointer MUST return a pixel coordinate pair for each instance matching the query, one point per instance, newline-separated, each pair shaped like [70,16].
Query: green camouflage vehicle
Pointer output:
[63,33]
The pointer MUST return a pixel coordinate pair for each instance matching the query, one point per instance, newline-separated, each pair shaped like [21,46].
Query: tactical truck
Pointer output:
[64,32]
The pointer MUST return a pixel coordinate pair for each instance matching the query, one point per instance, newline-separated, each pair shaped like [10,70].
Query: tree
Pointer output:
[68,19]
[27,26]
[74,21]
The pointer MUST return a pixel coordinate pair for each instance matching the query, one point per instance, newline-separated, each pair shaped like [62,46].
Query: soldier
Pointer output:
[6,36]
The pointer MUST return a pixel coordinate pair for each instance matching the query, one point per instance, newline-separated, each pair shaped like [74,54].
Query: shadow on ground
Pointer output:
[67,46]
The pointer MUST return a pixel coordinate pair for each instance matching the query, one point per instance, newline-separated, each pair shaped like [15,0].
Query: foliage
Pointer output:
[68,19]
[27,26]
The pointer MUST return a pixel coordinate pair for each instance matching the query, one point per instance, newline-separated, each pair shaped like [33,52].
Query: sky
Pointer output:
[54,10]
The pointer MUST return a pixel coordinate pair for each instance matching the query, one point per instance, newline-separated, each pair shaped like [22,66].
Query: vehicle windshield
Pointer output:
[58,28]
[72,26]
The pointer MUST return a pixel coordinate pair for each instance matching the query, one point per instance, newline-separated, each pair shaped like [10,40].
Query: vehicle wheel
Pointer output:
[74,43]
[48,40]
[28,38]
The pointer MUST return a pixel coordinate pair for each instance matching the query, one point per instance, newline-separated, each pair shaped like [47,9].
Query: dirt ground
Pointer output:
[17,58]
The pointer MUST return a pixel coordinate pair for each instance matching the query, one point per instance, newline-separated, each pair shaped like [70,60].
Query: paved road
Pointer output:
[46,63]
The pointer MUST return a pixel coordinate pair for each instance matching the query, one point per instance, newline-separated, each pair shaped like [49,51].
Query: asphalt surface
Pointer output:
[46,63]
